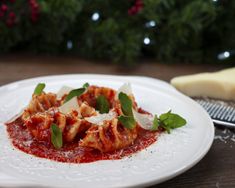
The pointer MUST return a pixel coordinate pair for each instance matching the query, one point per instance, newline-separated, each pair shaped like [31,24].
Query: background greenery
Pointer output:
[122,31]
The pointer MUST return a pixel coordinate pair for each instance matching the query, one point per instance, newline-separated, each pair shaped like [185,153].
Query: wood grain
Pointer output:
[215,170]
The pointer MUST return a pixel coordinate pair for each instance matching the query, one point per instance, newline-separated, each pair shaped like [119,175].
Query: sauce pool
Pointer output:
[72,152]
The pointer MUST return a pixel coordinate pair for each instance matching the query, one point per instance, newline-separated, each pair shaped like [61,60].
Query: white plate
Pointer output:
[171,155]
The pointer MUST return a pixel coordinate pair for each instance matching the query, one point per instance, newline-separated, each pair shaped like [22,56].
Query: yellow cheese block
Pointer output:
[220,85]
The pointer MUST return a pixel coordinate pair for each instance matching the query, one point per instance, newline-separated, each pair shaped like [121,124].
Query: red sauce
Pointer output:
[72,152]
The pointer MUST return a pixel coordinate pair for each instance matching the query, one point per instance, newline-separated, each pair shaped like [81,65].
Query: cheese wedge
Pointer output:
[220,85]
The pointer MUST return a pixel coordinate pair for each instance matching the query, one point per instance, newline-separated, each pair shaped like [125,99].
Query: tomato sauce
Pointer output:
[72,152]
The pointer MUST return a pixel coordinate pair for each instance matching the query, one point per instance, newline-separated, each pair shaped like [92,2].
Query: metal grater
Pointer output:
[221,112]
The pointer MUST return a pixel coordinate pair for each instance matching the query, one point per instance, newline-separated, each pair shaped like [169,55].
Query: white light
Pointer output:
[215,0]
[150,24]
[69,44]
[95,16]
[226,54]
[146,40]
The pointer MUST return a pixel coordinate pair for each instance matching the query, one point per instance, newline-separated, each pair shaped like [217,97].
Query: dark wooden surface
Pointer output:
[216,169]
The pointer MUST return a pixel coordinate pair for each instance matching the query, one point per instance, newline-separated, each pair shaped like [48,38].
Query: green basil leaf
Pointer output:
[171,121]
[39,89]
[168,130]
[126,104]
[127,121]
[155,123]
[86,85]
[102,104]
[164,116]
[56,136]
[174,121]
[74,93]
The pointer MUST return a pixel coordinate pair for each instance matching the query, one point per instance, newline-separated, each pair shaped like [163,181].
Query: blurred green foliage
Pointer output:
[191,31]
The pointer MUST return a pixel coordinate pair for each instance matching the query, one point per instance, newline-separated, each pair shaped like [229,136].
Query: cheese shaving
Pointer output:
[63,91]
[144,120]
[69,106]
[100,118]
[125,88]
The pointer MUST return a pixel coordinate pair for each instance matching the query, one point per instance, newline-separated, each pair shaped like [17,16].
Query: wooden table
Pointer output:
[216,169]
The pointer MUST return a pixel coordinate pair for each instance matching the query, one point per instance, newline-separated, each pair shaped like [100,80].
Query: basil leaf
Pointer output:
[86,85]
[165,116]
[74,93]
[171,121]
[127,121]
[102,104]
[155,123]
[168,130]
[39,89]
[126,104]
[56,136]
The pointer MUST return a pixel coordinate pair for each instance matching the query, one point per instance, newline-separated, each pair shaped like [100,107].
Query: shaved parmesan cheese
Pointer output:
[16,116]
[63,91]
[125,88]
[100,118]
[69,106]
[144,120]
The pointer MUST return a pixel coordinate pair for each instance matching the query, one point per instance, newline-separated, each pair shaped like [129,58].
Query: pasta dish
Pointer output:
[87,124]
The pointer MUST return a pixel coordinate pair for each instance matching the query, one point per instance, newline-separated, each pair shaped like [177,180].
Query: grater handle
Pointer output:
[223,123]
